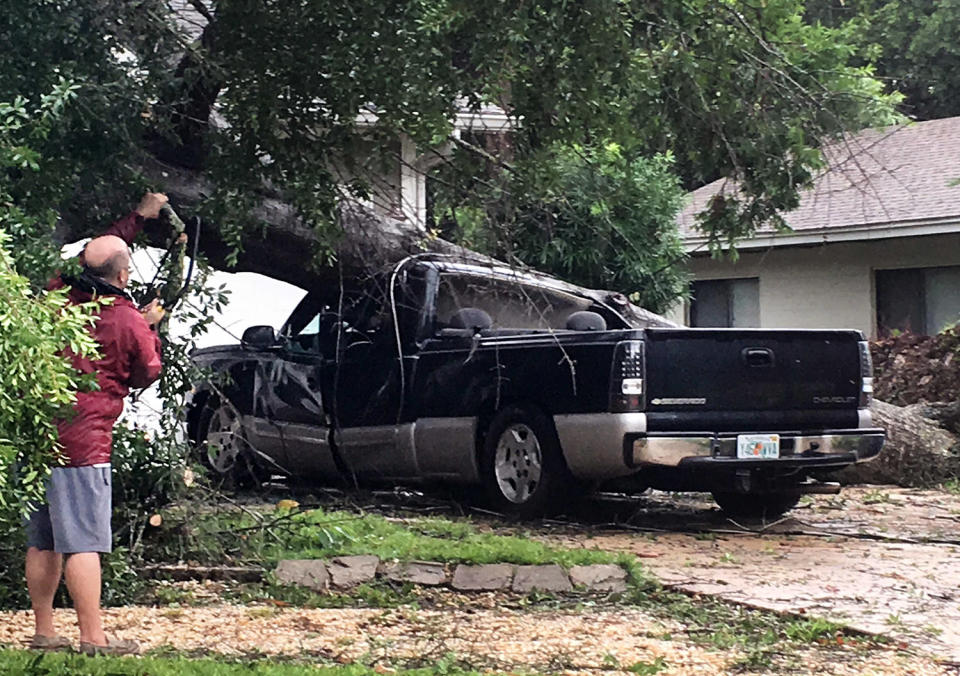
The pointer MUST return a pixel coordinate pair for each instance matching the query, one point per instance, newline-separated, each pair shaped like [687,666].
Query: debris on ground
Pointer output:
[917,401]
[498,639]
[911,368]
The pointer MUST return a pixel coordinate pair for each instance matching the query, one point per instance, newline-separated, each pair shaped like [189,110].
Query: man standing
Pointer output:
[75,522]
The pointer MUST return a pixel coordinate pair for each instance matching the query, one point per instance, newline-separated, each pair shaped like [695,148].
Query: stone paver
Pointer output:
[309,573]
[548,578]
[419,572]
[349,571]
[605,577]
[488,577]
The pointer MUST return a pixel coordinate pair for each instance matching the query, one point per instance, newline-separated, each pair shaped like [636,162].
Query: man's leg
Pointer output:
[80,517]
[43,578]
[83,583]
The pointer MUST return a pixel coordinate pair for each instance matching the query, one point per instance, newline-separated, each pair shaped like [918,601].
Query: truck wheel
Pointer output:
[522,466]
[757,505]
[223,446]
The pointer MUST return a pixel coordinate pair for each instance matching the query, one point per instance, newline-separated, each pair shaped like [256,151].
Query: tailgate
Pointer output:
[757,370]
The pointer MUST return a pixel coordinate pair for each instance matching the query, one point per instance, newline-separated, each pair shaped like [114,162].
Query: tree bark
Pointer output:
[368,244]
[917,453]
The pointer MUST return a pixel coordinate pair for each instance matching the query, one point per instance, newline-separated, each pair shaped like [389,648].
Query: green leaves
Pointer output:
[37,381]
[600,216]
[910,45]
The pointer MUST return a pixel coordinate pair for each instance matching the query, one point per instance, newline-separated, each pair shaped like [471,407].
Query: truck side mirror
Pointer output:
[259,337]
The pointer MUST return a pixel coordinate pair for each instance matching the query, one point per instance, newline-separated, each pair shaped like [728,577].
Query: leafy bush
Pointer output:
[37,382]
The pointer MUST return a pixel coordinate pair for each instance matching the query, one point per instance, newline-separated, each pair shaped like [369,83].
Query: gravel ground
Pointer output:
[498,639]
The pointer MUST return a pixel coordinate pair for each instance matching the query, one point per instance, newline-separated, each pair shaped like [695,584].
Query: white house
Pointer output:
[874,245]
[398,182]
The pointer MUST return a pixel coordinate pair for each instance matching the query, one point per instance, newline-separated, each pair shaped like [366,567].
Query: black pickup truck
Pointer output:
[536,390]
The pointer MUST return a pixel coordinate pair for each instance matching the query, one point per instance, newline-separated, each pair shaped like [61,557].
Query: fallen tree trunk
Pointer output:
[945,413]
[367,244]
[918,452]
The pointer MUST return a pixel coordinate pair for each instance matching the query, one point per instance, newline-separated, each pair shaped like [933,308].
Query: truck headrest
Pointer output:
[584,320]
[470,318]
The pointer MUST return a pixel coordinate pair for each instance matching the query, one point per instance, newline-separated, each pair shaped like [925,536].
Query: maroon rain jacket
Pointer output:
[130,358]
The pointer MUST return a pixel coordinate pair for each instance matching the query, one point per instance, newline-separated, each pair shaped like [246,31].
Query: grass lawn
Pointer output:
[67,664]
[266,536]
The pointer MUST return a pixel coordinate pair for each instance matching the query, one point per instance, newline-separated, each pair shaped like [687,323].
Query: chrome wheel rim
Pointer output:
[224,440]
[518,463]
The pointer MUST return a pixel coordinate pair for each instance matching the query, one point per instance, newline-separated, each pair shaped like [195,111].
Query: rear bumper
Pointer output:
[829,449]
[609,445]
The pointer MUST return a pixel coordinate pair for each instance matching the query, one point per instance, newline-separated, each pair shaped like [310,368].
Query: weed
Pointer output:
[166,594]
[875,497]
[810,630]
[951,486]
[648,668]
[756,658]
[376,594]
[562,660]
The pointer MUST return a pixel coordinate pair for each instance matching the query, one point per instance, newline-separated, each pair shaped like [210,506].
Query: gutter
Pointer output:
[815,236]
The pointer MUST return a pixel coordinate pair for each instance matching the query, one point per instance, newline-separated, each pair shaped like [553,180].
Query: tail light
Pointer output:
[626,378]
[866,375]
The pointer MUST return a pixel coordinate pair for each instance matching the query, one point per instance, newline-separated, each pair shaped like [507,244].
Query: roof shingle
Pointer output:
[881,178]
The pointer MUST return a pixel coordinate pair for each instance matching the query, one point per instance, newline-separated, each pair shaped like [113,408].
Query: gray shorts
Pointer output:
[76,517]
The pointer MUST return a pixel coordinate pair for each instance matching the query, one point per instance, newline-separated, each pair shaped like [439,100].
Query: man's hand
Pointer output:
[151,204]
[152,312]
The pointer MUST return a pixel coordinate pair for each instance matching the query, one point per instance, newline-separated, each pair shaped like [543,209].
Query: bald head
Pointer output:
[108,258]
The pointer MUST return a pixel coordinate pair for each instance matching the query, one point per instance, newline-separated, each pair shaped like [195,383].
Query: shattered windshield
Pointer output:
[510,304]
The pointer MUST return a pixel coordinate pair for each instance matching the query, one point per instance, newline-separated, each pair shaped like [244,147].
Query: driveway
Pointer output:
[880,559]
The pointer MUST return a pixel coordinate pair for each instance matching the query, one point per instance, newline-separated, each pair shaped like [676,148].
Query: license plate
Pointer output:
[758,446]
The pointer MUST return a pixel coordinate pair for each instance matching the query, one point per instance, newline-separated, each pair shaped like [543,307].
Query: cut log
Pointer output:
[918,452]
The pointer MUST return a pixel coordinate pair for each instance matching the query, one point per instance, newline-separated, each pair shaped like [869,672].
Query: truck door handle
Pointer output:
[758,357]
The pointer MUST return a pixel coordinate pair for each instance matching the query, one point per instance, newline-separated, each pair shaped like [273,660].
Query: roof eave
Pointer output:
[828,235]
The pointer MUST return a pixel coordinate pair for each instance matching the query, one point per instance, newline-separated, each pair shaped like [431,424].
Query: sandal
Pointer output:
[114,646]
[41,642]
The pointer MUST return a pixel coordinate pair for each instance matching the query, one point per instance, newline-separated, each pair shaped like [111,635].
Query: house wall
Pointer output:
[827,285]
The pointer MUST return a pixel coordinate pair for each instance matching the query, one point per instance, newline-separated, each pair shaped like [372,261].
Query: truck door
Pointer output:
[290,395]
[371,375]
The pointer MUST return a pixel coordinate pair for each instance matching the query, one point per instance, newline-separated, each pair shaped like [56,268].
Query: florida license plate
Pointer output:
[755,446]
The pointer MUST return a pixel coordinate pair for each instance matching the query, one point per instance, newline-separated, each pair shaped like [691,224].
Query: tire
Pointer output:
[522,465]
[223,448]
[757,505]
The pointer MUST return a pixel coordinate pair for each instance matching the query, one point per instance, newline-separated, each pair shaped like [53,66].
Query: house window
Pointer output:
[920,300]
[726,303]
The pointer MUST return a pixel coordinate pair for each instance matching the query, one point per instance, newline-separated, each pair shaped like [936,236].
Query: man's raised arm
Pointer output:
[127,227]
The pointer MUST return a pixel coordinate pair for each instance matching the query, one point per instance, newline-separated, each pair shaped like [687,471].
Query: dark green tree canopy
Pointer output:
[914,44]
[228,102]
